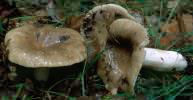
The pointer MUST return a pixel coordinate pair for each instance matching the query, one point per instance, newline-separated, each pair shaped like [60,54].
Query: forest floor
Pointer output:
[170,27]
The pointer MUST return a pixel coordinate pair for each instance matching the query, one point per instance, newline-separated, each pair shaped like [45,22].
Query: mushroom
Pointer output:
[126,54]
[123,40]
[110,26]
[44,47]
[121,63]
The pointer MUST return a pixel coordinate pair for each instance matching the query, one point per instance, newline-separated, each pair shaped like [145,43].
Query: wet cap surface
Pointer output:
[45,46]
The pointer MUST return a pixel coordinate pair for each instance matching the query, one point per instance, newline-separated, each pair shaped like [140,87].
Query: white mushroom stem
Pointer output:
[41,74]
[162,60]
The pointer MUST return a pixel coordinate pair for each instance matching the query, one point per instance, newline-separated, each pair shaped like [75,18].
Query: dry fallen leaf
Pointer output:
[175,25]
[176,28]
[170,27]
[168,39]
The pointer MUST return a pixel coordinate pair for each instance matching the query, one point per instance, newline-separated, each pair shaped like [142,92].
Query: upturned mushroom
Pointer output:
[123,61]
[110,26]
[44,47]
[124,41]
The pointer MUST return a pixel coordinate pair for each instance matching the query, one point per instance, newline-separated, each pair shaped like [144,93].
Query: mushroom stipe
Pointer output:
[55,74]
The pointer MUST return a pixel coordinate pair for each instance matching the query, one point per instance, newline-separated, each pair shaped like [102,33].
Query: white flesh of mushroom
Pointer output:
[162,60]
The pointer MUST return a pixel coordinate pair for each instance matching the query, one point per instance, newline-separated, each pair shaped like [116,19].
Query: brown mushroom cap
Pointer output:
[120,65]
[45,46]
[111,10]
[129,30]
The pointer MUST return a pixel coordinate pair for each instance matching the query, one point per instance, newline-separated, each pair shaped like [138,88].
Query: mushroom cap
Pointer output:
[129,30]
[100,17]
[45,46]
[121,63]
[111,10]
